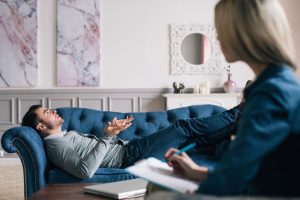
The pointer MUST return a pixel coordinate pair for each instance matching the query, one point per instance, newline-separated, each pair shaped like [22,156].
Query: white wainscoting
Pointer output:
[14,103]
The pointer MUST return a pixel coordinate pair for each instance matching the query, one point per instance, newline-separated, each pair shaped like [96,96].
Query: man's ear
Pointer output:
[41,127]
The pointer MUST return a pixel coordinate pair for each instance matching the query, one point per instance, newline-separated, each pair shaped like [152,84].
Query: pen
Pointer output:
[186,148]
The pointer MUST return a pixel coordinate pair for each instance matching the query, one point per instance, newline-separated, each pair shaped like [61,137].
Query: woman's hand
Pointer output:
[116,126]
[182,164]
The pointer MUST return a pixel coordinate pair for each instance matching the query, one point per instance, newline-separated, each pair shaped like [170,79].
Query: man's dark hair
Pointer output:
[31,118]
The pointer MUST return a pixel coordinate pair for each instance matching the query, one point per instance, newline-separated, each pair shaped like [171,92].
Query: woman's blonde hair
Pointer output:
[255,31]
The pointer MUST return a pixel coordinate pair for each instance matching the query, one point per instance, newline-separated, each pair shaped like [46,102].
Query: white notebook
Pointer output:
[161,174]
[119,190]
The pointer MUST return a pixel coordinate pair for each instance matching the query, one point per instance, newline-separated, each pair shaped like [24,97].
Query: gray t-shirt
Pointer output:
[81,155]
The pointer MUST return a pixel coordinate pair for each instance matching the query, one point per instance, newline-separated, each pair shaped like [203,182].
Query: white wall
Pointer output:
[135,42]
[292,11]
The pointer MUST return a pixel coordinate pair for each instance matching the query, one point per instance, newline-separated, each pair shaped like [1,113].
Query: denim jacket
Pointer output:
[264,157]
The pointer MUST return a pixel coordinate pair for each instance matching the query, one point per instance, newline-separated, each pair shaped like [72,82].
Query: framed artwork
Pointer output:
[78,42]
[18,39]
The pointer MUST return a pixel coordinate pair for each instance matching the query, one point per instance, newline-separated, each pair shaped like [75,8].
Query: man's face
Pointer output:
[49,118]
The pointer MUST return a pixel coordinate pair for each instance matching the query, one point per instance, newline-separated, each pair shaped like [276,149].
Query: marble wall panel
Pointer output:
[78,42]
[18,39]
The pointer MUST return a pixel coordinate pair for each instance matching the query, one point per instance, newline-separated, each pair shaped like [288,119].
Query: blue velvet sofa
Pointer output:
[38,171]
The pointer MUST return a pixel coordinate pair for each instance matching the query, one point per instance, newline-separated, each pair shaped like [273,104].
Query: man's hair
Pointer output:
[31,118]
[255,31]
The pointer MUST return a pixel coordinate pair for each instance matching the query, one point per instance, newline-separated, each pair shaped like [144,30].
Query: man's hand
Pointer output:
[182,164]
[116,126]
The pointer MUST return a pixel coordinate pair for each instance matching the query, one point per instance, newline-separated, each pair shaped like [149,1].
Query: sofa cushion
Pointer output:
[103,175]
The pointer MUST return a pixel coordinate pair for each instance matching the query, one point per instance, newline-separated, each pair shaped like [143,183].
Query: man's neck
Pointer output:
[53,131]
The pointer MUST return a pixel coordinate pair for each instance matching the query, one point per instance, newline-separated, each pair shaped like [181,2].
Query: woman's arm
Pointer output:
[182,164]
[262,128]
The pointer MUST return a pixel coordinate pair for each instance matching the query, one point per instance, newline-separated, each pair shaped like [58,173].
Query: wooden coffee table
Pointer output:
[72,191]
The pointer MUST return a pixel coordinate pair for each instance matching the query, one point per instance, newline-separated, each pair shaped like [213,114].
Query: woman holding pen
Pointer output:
[263,159]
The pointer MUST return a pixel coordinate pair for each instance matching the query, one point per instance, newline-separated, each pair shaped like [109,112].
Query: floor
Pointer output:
[11,179]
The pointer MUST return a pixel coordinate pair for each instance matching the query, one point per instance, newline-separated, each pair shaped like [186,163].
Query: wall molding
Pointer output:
[15,102]
[84,90]
[7,105]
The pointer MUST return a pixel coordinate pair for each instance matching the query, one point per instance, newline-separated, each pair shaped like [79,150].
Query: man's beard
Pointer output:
[62,121]
[55,125]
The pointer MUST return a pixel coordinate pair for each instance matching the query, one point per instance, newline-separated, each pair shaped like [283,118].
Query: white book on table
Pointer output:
[160,173]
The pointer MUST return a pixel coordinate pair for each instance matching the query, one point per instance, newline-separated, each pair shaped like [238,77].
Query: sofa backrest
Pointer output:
[91,121]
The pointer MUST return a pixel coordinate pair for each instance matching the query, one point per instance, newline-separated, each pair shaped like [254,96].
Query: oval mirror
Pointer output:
[196,48]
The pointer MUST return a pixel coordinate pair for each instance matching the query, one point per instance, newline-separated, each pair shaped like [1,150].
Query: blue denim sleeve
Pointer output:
[263,126]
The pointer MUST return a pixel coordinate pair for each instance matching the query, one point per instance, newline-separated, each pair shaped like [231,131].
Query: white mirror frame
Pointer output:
[179,66]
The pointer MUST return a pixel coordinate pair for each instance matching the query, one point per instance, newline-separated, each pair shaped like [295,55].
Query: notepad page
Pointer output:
[160,173]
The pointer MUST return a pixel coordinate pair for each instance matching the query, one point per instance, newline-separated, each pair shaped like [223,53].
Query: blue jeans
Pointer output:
[204,131]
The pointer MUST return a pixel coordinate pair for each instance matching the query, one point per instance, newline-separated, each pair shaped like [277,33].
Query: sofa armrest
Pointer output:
[26,142]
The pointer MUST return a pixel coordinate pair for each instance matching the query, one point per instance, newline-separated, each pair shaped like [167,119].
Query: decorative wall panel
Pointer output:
[94,103]
[147,104]
[78,42]
[7,111]
[18,39]
[14,103]
[121,104]
[60,102]
[25,103]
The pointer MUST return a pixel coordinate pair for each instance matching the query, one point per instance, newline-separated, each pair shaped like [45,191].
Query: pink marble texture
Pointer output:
[78,42]
[18,43]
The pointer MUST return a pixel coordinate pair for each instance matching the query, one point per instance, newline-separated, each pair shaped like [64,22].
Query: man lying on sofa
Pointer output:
[81,154]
